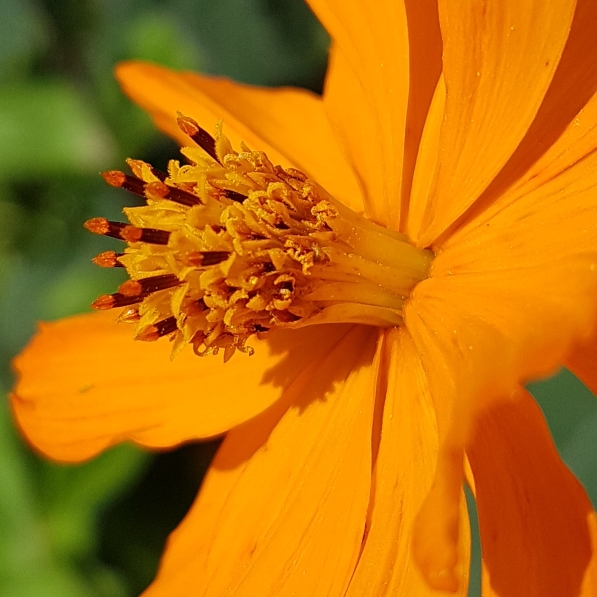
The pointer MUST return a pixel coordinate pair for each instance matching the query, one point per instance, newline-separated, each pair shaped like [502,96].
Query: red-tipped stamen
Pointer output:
[148,285]
[191,128]
[153,236]
[105,227]
[157,330]
[206,258]
[118,179]
[111,301]
[159,190]
[115,178]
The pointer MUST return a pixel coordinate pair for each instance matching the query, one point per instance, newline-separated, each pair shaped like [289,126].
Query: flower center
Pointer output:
[230,246]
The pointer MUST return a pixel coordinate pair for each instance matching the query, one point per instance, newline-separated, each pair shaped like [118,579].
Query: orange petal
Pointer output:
[479,335]
[528,269]
[589,585]
[556,195]
[85,385]
[470,359]
[288,124]
[422,184]
[565,128]
[282,509]
[582,361]
[359,122]
[495,329]
[498,63]
[366,94]
[403,474]
[533,513]
[357,132]
[425,56]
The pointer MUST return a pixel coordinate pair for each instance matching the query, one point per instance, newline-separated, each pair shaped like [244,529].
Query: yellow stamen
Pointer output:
[231,245]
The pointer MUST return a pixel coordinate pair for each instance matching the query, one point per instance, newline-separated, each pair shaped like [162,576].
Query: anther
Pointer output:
[190,127]
[159,190]
[127,232]
[105,227]
[153,236]
[108,259]
[157,330]
[111,301]
[206,258]
[118,179]
[148,285]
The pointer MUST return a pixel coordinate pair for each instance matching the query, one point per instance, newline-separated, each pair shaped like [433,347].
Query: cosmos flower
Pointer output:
[427,244]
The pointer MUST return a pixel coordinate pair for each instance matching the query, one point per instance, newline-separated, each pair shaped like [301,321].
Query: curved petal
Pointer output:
[529,269]
[403,474]
[479,334]
[422,184]
[367,92]
[357,131]
[283,507]
[425,53]
[589,585]
[85,385]
[288,124]
[456,355]
[499,60]
[360,123]
[495,329]
[565,128]
[559,186]
[582,361]
[533,513]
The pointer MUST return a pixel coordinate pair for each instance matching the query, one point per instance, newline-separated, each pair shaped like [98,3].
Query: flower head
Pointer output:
[230,246]
[465,132]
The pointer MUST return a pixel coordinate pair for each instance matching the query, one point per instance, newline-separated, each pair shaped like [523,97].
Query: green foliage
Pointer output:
[49,129]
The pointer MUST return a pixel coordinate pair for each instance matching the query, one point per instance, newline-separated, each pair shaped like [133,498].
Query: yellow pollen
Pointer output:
[229,245]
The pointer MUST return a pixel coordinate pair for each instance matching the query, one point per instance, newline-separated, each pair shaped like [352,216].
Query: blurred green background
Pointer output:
[97,530]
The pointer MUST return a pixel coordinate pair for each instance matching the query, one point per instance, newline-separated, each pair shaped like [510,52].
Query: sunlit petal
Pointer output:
[565,128]
[289,124]
[403,474]
[533,513]
[499,60]
[367,94]
[86,384]
[281,487]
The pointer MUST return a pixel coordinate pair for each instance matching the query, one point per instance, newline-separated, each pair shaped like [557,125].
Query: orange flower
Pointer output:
[471,127]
